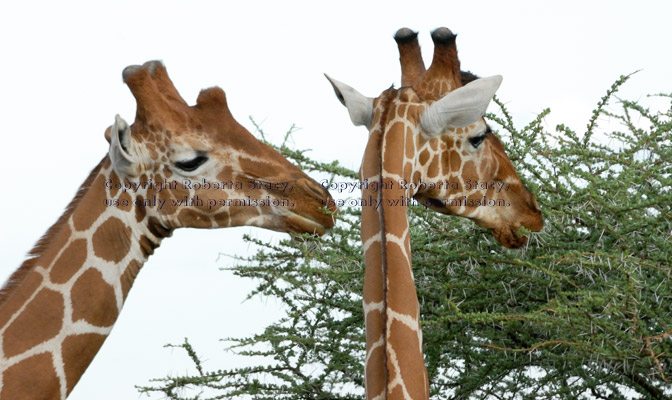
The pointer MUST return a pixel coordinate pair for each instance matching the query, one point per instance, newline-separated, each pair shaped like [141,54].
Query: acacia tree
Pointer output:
[583,311]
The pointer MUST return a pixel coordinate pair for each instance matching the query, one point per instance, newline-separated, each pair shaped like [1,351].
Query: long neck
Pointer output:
[395,366]
[58,308]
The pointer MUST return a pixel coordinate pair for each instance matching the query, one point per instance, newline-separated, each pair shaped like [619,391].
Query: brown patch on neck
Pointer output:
[41,320]
[112,240]
[70,261]
[78,352]
[40,248]
[91,289]
[35,374]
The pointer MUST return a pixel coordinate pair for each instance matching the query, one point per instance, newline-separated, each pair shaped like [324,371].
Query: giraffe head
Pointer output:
[435,143]
[197,167]
[176,166]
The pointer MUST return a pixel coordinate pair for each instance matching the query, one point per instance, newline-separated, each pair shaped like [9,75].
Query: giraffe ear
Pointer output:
[120,141]
[461,107]
[359,106]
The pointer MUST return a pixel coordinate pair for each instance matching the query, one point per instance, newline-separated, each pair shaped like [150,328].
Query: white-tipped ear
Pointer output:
[120,142]
[359,106]
[461,107]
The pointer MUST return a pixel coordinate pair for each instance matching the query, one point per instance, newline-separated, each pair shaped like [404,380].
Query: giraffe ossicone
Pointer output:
[175,166]
[428,142]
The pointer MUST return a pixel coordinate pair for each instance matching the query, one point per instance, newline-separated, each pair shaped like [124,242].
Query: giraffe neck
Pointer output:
[395,366]
[58,308]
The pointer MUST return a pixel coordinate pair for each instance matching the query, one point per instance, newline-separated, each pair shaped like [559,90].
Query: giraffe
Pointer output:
[428,144]
[175,166]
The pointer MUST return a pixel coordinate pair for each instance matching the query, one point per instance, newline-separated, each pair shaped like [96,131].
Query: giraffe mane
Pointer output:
[467,76]
[36,252]
[386,99]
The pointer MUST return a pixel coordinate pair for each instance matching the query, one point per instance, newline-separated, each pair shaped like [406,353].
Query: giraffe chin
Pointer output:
[296,223]
[507,237]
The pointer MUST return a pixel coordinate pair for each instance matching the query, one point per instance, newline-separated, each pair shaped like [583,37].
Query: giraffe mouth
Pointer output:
[314,211]
[296,223]
[508,237]
[513,236]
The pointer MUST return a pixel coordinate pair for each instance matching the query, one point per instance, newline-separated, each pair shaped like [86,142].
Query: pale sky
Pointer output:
[60,85]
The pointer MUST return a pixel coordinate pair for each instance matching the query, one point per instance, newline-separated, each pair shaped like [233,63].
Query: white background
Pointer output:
[60,87]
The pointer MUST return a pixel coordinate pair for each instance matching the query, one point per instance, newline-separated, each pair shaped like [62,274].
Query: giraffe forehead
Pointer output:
[186,126]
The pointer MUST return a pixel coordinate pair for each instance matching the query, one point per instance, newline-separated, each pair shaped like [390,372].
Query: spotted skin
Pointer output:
[57,309]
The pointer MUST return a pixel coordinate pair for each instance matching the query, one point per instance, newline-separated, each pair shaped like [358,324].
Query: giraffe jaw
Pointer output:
[296,223]
[508,237]
[514,235]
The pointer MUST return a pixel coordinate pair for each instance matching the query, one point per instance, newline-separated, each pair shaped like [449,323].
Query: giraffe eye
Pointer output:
[477,140]
[191,165]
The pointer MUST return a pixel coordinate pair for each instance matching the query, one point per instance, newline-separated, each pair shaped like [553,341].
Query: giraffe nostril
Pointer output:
[317,190]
